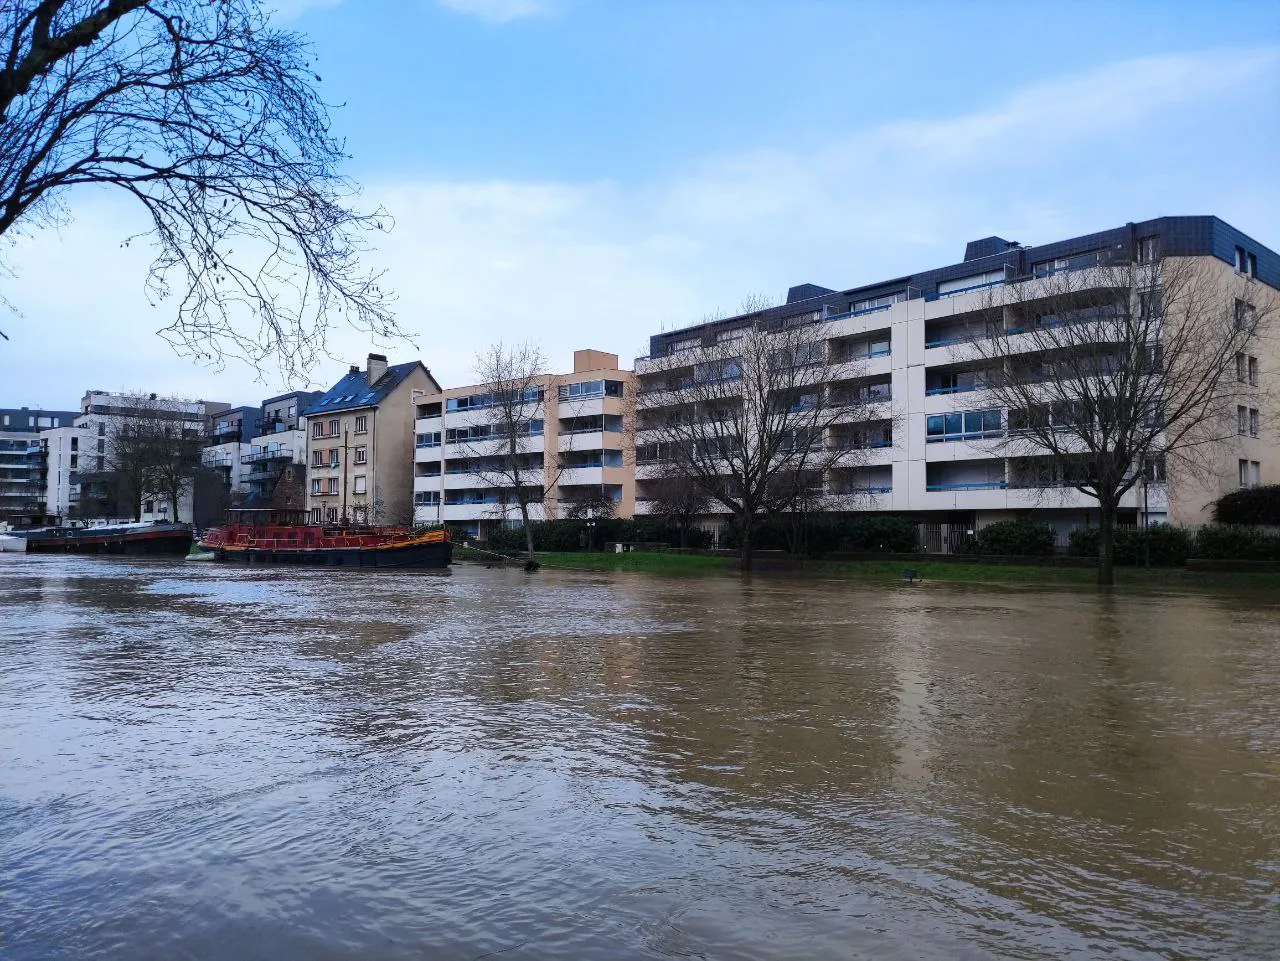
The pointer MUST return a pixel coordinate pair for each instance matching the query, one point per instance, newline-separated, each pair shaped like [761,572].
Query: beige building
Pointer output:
[579,449]
[938,456]
[360,444]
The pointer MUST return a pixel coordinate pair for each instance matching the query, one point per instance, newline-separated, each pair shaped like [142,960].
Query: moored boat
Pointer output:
[132,539]
[284,537]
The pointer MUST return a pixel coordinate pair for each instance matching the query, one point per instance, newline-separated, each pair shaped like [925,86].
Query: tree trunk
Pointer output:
[684,536]
[531,563]
[1106,544]
[173,503]
[744,542]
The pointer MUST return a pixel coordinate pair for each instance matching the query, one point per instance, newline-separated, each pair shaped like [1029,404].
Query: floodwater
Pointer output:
[206,762]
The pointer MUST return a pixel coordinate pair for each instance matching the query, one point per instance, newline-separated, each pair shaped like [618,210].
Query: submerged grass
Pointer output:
[662,563]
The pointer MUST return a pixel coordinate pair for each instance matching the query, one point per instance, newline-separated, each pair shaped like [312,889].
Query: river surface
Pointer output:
[199,762]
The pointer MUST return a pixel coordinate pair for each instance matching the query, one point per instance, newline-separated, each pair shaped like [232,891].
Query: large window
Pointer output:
[426,498]
[362,424]
[429,440]
[530,395]
[362,455]
[592,388]
[360,484]
[969,425]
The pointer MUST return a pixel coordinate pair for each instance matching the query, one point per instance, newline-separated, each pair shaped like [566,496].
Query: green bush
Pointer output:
[1170,546]
[571,535]
[1011,538]
[823,535]
[1250,505]
[1237,543]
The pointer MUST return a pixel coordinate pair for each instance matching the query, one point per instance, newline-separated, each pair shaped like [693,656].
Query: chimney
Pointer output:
[377,367]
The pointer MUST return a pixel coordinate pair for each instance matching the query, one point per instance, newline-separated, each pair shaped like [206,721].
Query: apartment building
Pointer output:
[101,412]
[360,444]
[275,462]
[227,434]
[29,477]
[579,448]
[907,335]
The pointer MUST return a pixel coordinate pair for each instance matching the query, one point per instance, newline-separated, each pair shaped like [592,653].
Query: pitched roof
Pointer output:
[355,391]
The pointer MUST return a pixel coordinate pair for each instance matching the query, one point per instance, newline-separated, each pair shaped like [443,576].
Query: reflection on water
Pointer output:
[202,762]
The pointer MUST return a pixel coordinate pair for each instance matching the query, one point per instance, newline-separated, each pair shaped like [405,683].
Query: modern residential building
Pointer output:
[227,435]
[360,444]
[275,463]
[26,473]
[579,448]
[101,412]
[908,336]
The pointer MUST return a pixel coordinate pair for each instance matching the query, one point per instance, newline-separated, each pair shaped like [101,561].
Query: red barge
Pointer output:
[284,537]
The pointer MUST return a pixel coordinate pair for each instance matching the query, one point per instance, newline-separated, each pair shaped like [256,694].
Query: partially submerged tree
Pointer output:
[1118,372]
[749,419]
[153,452]
[208,117]
[500,445]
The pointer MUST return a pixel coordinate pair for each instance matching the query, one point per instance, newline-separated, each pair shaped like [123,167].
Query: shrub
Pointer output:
[1012,538]
[1170,546]
[571,535]
[824,534]
[1235,542]
[1250,505]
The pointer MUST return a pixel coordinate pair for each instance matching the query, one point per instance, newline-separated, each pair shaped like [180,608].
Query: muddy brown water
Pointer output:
[207,762]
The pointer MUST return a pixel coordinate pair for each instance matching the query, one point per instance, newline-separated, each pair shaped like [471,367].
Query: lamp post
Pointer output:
[591,530]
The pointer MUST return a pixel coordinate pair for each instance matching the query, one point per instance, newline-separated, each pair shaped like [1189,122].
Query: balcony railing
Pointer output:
[851,489]
[859,313]
[273,453]
[875,444]
[967,486]
[964,290]
[958,389]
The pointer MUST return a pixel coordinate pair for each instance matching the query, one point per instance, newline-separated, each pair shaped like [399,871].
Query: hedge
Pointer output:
[1233,542]
[1011,538]
[823,535]
[571,535]
[1250,505]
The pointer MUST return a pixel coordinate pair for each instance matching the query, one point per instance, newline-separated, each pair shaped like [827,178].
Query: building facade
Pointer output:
[29,477]
[276,459]
[360,444]
[579,449]
[908,336]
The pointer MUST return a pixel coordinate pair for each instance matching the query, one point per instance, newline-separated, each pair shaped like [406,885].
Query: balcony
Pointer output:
[859,313]
[949,487]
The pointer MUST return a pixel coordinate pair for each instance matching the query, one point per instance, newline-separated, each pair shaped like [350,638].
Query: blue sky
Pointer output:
[588,172]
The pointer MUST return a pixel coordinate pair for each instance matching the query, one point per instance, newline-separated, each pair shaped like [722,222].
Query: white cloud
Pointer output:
[498,11]
[602,264]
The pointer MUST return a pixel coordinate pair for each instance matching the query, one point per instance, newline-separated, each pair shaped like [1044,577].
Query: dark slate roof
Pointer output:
[805,291]
[19,418]
[355,391]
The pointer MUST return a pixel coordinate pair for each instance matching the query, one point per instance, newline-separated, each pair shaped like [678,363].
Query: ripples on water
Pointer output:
[202,762]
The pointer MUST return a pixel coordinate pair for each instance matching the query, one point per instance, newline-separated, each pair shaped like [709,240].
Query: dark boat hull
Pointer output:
[436,554]
[135,543]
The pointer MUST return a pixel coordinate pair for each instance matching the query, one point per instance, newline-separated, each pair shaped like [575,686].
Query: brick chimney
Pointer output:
[377,367]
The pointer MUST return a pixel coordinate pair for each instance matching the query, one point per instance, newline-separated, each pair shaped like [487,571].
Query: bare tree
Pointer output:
[752,417]
[209,117]
[678,499]
[152,452]
[502,446]
[1118,371]
[589,502]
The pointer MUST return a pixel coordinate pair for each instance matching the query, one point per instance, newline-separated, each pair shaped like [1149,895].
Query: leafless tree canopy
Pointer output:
[1117,371]
[499,446]
[749,419]
[209,117]
[151,453]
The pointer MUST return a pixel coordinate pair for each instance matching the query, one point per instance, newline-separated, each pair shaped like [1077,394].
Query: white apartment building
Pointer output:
[101,410]
[579,445]
[933,458]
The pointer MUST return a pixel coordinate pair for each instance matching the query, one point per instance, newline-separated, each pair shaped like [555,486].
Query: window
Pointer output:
[102,446]
[1241,368]
[362,455]
[316,514]
[1153,469]
[1253,265]
[317,429]
[429,440]
[317,458]
[75,461]
[362,424]
[1242,420]
[1253,371]
[315,485]
[1246,315]
[149,507]
[360,485]
[1250,473]
[333,428]
[293,411]
[333,485]
[426,498]
[1241,261]
[333,515]
[75,443]
[333,457]
[1148,250]
[970,425]
[1253,423]
[1150,303]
